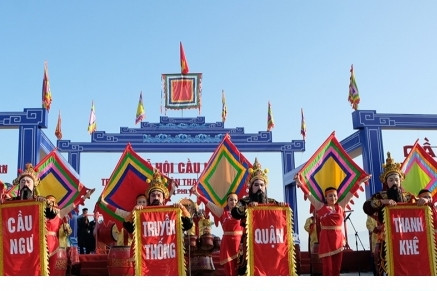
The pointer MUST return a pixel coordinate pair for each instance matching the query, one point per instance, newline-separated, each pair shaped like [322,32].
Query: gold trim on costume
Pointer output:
[332,227]
[238,232]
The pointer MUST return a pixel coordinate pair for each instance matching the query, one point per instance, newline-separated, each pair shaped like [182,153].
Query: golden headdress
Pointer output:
[390,167]
[29,171]
[256,173]
[157,183]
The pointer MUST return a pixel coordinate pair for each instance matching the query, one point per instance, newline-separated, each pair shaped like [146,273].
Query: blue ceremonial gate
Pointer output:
[194,135]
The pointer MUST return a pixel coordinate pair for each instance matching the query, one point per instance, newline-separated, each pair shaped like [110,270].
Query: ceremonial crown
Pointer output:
[157,183]
[390,167]
[256,173]
[28,171]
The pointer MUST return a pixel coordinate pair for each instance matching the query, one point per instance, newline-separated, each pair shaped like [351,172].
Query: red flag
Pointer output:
[23,251]
[159,253]
[410,251]
[270,237]
[184,64]
[58,131]
[270,121]
[46,93]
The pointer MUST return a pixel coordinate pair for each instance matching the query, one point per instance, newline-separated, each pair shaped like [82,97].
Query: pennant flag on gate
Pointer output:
[92,124]
[224,108]
[58,130]
[57,178]
[184,63]
[420,171]
[330,166]
[140,109]
[270,121]
[127,181]
[354,96]
[226,171]
[303,127]
[46,93]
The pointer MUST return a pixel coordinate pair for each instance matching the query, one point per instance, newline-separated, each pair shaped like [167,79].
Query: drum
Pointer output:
[190,243]
[73,255]
[217,243]
[120,262]
[58,263]
[107,234]
[207,242]
[202,263]
[316,262]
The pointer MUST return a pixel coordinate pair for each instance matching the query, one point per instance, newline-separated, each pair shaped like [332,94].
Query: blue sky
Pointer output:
[295,54]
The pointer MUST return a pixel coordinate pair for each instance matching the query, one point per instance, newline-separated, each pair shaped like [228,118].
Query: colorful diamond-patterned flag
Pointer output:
[226,171]
[57,178]
[127,181]
[420,171]
[331,166]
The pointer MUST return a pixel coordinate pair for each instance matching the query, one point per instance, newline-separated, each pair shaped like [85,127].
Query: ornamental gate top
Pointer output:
[179,135]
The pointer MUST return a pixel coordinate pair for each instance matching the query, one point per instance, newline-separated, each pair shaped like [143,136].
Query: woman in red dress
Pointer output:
[331,237]
[232,232]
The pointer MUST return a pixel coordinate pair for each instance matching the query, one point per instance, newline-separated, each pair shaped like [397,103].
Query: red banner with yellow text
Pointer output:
[270,247]
[23,250]
[410,240]
[158,242]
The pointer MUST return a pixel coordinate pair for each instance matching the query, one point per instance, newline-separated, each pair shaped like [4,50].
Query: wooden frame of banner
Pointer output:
[179,237]
[289,235]
[389,236]
[42,231]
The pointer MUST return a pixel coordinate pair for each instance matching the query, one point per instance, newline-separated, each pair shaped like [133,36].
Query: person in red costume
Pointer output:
[331,237]
[425,198]
[156,195]
[232,232]
[392,193]
[28,182]
[55,219]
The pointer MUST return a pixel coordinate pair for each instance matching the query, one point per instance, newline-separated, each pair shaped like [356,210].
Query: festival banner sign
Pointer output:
[128,179]
[331,166]
[270,247]
[409,240]
[420,171]
[158,241]
[225,172]
[23,251]
[57,178]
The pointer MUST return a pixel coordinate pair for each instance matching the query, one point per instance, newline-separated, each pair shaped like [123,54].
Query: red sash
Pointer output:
[23,250]
[158,241]
[409,240]
[270,247]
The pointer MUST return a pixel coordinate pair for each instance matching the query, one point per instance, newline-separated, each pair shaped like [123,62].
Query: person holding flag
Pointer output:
[232,231]
[391,194]
[257,183]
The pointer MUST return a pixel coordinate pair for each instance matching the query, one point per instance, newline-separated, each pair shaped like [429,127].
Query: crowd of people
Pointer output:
[325,227]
